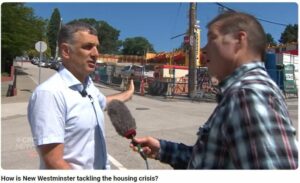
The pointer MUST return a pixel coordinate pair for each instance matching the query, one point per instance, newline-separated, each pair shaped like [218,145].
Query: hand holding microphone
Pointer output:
[124,123]
[150,146]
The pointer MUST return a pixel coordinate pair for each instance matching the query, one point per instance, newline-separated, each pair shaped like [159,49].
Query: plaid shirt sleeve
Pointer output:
[259,133]
[175,154]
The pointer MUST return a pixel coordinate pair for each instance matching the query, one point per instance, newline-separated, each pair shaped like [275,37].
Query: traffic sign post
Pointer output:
[41,47]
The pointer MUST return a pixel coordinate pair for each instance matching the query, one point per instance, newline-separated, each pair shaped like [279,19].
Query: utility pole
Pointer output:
[192,51]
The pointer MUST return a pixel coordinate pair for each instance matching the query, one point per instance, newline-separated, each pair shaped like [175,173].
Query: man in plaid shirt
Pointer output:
[250,128]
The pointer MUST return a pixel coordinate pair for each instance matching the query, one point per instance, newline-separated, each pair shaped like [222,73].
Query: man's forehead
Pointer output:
[86,36]
[215,27]
[83,33]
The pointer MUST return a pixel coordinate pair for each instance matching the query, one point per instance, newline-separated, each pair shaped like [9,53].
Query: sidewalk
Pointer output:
[17,148]
[4,88]
[24,85]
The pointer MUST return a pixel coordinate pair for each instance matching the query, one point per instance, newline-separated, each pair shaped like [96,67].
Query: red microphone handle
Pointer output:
[130,134]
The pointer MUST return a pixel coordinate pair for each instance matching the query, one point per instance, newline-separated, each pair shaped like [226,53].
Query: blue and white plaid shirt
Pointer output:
[249,129]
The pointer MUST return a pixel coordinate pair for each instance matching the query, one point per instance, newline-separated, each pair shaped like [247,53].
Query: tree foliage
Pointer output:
[270,40]
[108,36]
[290,34]
[52,31]
[20,31]
[136,46]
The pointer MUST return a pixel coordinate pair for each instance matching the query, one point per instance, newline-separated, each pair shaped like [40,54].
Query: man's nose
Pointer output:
[95,52]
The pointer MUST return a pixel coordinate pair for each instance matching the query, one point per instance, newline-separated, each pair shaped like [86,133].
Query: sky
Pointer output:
[159,22]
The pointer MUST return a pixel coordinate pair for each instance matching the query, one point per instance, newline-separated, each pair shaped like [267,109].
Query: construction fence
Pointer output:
[157,86]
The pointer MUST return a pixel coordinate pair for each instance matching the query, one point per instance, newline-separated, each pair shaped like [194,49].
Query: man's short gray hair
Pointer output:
[67,31]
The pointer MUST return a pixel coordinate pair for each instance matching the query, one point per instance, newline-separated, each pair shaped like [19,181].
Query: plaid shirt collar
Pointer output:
[238,73]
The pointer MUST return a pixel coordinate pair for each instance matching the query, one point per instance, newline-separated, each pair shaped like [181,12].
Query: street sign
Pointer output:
[186,40]
[41,46]
[290,86]
[191,40]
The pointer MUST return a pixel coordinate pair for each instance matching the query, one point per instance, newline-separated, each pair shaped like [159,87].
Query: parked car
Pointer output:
[55,64]
[131,70]
[149,71]
[43,63]
[137,71]
[35,60]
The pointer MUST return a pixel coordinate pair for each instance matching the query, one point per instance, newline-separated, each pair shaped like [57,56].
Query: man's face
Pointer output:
[219,52]
[82,54]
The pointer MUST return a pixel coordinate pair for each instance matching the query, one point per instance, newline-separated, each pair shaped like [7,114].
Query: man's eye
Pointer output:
[88,47]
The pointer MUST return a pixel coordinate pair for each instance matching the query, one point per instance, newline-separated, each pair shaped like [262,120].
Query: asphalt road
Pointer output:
[171,119]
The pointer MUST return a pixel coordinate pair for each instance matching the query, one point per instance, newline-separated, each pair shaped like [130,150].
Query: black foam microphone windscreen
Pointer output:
[124,123]
[121,119]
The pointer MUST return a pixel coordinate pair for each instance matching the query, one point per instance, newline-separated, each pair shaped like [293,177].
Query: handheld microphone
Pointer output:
[121,119]
[124,123]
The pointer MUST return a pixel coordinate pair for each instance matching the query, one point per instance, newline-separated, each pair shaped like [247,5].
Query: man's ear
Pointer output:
[65,50]
[242,36]
[241,39]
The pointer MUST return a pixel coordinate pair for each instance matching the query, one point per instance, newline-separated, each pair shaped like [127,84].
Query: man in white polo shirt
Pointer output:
[66,111]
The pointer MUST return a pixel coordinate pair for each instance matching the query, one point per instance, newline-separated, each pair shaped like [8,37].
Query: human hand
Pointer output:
[130,90]
[124,96]
[150,146]
[131,86]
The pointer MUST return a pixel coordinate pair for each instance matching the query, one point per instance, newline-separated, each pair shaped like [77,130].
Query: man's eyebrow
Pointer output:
[91,44]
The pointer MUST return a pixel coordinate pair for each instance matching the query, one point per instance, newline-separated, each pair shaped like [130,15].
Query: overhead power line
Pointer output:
[260,19]
[178,35]
[175,23]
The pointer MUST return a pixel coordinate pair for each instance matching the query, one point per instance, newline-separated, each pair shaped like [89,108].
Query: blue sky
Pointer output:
[158,22]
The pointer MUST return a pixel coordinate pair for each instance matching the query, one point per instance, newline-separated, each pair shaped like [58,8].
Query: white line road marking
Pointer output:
[116,163]
[33,80]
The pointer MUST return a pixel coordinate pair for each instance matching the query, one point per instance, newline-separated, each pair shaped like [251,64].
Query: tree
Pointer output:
[136,46]
[20,31]
[290,34]
[107,35]
[52,31]
[270,40]
[109,38]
